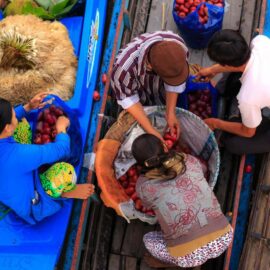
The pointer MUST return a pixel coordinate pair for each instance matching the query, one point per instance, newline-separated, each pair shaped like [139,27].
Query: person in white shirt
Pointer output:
[232,54]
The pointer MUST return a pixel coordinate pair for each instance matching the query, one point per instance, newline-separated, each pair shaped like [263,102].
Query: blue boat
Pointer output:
[28,247]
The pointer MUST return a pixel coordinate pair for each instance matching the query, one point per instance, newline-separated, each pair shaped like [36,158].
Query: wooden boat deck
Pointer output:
[110,242]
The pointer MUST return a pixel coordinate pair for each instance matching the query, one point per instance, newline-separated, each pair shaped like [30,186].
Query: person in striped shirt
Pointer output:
[151,70]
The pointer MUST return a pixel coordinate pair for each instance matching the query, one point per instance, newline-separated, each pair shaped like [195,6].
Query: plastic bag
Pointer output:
[196,34]
[194,86]
[73,130]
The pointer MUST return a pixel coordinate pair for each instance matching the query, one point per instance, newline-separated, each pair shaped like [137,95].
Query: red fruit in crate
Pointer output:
[180,2]
[46,141]
[40,116]
[201,103]
[46,131]
[123,178]
[204,115]
[104,78]
[196,112]
[52,108]
[53,133]
[58,112]
[37,139]
[132,184]
[134,196]
[176,7]
[209,110]
[192,98]
[187,5]
[124,184]
[205,98]
[182,14]
[138,204]
[46,112]
[201,12]
[133,178]
[129,190]
[248,168]
[39,126]
[168,136]
[204,20]
[169,143]
[196,2]
[132,171]
[150,212]
[186,10]
[143,209]
[219,5]
[96,96]
[192,106]
[45,137]
[192,9]
[51,119]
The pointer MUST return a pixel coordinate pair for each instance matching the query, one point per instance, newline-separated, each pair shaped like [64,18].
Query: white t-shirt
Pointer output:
[254,94]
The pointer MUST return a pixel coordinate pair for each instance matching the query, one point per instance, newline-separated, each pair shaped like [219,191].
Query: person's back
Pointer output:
[31,195]
[18,168]
[255,89]
[174,186]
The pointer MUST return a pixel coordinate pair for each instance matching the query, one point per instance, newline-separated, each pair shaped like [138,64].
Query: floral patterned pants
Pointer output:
[155,244]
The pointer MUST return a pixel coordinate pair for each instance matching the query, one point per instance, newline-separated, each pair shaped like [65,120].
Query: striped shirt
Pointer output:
[131,81]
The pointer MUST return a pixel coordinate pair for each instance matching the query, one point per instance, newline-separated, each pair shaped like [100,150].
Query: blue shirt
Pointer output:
[18,173]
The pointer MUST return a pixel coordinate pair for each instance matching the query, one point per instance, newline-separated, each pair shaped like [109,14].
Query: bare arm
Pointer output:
[138,113]
[173,123]
[213,70]
[231,127]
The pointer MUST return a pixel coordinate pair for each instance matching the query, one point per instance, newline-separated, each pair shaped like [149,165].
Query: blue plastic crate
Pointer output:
[195,86]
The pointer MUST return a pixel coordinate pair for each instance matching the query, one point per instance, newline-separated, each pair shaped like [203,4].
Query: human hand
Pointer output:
[211,123]
[36,102]
[62,124]
[173,125]
[206,72]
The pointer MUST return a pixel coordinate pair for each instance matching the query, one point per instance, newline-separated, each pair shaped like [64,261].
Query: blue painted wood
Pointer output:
[243,214]
[26,247]
[266,30]
[68,255]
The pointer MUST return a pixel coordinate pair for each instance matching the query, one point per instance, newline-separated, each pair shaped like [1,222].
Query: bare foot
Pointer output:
[81,191]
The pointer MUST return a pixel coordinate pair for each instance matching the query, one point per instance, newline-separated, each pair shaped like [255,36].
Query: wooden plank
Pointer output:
[232,18]
[90,235]
[147,228]
[248,11]
[130,263]
[104,233]
[254,250]
[118,234]
[155,21]
[133,238]
[131,13]
[141,16]
[145,266]
[114,262]
[223,179]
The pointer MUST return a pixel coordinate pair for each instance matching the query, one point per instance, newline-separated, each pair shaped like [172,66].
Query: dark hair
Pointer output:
[228,47]
[148,146]
[148,151]
[5,113]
